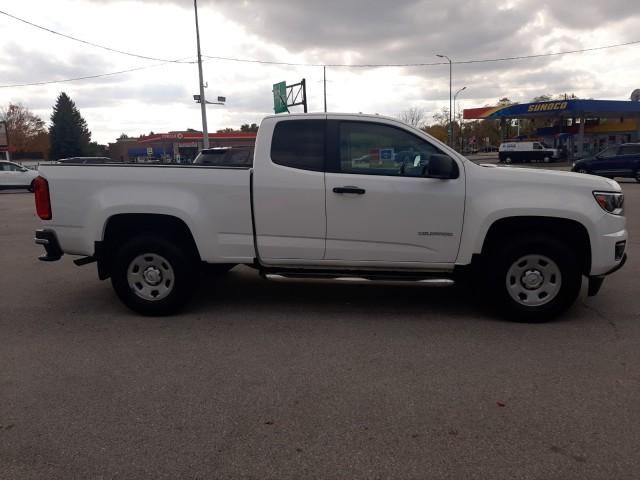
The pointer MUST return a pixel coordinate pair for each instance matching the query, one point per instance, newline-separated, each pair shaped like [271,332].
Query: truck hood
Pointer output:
[549,177]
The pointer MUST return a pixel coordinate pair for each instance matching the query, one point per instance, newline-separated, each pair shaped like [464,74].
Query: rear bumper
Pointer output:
[48,239]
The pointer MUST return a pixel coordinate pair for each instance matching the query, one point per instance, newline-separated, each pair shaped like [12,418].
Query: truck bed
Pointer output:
[214,202]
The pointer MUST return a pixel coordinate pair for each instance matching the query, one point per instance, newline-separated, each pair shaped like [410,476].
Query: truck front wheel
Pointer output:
[535,279]
[153,276]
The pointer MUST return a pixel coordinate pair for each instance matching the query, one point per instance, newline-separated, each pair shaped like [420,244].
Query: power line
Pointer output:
[86,42]
[87,77]
[427,64]
[566,52]
[301,64]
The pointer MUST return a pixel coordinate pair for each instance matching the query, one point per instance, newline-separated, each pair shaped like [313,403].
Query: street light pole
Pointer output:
[450,97]
[455,97]
[203,103]
[324,79]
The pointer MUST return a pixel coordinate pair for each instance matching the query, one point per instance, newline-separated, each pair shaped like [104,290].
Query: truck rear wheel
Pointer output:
[534,279]
[153,276]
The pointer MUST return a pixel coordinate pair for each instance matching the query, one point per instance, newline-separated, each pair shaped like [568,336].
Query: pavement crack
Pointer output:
[604,317]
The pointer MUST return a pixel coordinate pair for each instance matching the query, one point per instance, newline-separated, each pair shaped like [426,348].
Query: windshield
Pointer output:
[607,152]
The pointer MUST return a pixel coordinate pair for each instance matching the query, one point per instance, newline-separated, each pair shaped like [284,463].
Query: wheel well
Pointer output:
[571,232]
[120,228]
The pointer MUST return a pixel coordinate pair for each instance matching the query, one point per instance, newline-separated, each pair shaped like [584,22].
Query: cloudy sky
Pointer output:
[159,98]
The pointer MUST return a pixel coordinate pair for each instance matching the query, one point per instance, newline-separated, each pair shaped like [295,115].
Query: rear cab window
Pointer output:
[299,144]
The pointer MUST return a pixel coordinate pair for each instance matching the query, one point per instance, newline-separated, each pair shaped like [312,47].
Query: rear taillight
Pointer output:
[43,202]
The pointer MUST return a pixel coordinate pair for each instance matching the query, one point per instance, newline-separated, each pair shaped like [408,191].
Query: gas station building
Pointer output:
[174,147]
[580,127]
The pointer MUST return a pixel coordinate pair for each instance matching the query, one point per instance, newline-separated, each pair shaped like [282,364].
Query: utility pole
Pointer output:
[324,75]
[450,98]
[203,103]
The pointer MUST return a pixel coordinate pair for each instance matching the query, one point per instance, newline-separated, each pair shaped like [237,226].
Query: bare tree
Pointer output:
[442,117]
[27,132]
[542,98]
[414,116]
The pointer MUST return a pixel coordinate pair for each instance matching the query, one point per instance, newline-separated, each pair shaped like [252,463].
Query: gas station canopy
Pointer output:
[558,108]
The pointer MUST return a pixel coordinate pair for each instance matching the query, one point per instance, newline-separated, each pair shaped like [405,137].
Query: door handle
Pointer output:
[349,189]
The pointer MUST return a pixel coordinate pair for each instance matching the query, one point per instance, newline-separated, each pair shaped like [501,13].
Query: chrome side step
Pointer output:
[431,281]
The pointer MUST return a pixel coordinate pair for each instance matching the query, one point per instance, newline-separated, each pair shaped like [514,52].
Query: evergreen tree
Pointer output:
[69,134]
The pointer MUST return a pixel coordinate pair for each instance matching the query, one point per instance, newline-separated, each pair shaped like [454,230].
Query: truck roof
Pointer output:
[324,114]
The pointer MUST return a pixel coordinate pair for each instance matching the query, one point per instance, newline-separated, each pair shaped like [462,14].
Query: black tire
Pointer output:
[637,175]
[32,187]
[566,285]
[182,264]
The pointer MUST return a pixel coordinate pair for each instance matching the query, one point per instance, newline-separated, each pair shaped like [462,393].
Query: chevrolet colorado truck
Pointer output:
[338,196]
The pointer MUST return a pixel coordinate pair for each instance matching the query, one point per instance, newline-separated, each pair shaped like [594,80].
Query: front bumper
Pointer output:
[48,239]
[595,281]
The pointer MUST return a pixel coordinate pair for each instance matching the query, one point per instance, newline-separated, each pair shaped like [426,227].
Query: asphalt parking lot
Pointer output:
[308,380]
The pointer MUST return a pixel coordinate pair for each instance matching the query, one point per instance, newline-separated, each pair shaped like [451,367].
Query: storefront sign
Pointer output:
[545,107]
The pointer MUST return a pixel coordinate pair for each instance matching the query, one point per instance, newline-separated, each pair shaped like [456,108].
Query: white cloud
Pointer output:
[333,31]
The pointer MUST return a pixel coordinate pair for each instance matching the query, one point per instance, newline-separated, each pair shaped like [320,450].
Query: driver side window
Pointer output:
[376,149]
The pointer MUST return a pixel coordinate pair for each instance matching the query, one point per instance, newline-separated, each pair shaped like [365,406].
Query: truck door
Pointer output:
[289,190]
[381,210]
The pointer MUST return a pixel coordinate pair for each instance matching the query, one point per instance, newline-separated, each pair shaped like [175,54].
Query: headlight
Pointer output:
[573,165]
[610,202]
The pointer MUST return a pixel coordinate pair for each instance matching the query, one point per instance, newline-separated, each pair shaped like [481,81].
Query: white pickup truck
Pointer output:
[334,196]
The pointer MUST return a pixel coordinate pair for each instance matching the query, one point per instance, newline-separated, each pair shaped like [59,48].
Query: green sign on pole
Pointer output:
[280,97]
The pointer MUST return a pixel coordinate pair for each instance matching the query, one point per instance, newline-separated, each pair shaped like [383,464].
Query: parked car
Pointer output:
[512,152]
[241,156]
[13,175]
[86,160]
[308,208]
[616,161]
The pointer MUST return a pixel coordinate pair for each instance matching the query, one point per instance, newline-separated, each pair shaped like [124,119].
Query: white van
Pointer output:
[510,152]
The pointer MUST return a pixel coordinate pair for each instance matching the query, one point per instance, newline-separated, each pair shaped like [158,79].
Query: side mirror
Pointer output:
[441,166]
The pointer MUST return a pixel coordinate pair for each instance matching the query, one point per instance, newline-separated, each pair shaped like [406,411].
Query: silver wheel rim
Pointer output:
[507,160]
[533,280]
[150,277]
[547,159]
[582,170]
